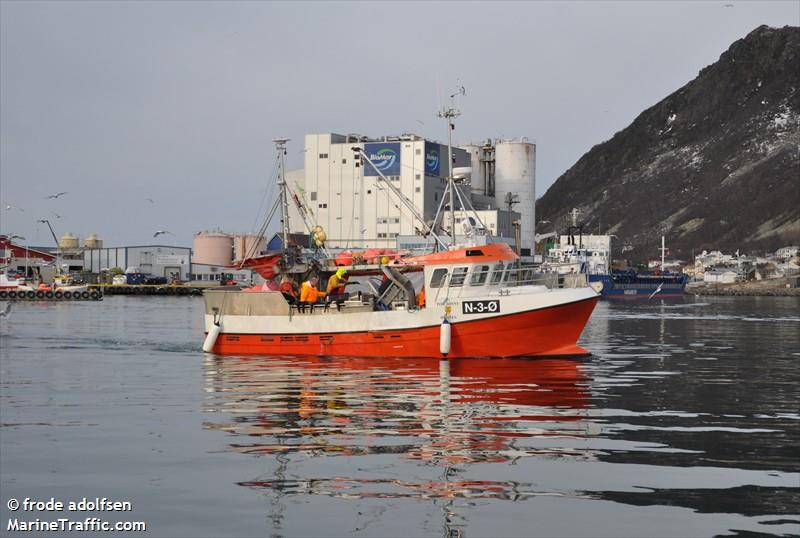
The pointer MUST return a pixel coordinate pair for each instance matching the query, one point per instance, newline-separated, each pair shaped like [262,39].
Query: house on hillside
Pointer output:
[721,276]
[787,253]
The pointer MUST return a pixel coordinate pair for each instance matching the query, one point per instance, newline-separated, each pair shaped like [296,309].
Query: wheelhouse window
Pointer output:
[511,275]
[479,275]
[459,276]
[438,277]
[497,274]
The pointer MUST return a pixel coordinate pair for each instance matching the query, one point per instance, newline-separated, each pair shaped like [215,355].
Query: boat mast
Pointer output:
[280,145]
[663,250]
[449,114]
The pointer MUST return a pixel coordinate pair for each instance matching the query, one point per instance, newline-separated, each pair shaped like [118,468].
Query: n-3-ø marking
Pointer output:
[480,307]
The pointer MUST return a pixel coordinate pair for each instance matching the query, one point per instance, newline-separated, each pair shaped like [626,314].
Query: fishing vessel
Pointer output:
[479,302]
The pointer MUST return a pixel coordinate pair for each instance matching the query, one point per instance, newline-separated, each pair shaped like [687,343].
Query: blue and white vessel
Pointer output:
[591,255]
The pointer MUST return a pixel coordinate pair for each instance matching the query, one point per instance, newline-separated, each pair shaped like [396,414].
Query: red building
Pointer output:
[19,258]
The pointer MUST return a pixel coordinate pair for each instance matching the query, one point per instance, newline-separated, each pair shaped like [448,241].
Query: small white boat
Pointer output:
[16,284]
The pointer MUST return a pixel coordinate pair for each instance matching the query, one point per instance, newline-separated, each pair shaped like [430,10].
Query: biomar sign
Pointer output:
[433,154]
[384,157]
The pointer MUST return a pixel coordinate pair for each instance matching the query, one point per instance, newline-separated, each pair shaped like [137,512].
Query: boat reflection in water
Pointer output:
[416,425]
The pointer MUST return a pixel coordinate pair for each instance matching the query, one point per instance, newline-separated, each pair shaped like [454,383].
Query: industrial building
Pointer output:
[216,254]
[156,260]
[349,200]
[23,259]
[202,273]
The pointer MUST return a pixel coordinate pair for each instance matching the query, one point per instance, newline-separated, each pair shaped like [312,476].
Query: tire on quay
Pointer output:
[67,295]
[84,295]
[3,294]
[58,294]
[12,294]
[95,295]
[40,294]
[30,294]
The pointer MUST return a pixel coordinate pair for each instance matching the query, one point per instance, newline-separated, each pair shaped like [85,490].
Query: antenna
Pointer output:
[449,114]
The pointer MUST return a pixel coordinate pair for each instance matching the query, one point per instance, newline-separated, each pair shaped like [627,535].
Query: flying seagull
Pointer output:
[150,200]
[56,214]
[54,196]
[658,289]
[6,312]
[9,206]
[162,232]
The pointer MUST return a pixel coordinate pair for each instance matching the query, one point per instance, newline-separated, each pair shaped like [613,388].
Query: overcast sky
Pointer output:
[119,102]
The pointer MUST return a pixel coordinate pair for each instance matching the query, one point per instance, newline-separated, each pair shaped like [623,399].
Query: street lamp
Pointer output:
[58,246]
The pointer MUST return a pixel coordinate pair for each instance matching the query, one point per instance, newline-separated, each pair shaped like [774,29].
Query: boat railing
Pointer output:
[453,285]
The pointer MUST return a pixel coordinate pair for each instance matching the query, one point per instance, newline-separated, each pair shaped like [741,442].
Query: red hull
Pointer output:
[550,331]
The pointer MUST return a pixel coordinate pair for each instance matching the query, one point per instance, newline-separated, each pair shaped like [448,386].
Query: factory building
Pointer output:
[156,260]
[356,209]
[22,259]
[204,273]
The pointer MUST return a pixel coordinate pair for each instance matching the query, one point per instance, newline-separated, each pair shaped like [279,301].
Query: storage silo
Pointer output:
[248,245]
[482,163]
[515,176]
[93,242]
[212,248]
[68,242]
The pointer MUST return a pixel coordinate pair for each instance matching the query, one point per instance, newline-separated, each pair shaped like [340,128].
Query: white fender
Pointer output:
[445,332]
[211,337]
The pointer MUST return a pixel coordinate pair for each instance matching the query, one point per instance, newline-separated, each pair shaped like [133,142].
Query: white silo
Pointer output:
[212,248]
[68,242]
[93,242]
[515,175]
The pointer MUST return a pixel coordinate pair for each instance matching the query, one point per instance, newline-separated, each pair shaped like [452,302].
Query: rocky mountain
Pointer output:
[715,165]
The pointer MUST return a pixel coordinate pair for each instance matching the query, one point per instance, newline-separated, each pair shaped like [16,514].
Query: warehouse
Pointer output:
[156,260]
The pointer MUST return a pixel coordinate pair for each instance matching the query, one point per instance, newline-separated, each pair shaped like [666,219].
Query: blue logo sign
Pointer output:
[432,161]
[384,157]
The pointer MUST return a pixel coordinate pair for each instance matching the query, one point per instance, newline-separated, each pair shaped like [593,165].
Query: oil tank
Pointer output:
[212,248]
[92,241]
[515,173]
[247,245]
[68,242]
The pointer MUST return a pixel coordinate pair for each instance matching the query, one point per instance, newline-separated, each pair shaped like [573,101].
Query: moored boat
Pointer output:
[632,284]
[13,284]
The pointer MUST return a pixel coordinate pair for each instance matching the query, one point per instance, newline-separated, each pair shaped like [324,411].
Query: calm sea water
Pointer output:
[684,422]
